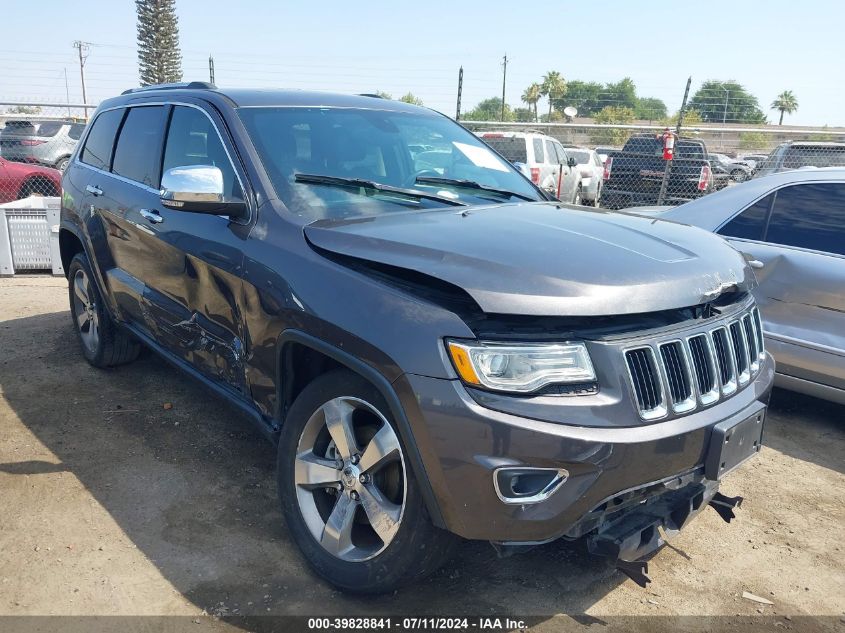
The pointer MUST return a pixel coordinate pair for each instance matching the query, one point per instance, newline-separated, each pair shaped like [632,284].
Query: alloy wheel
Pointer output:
[85,310]
[350,479]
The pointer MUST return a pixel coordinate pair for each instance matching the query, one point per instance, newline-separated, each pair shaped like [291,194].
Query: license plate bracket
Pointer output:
[732,442]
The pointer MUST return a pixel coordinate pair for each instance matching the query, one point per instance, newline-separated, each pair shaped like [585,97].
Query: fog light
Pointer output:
[519,485]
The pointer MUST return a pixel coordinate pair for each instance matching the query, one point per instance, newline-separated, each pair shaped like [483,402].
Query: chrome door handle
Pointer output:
[152,216]
[93,190]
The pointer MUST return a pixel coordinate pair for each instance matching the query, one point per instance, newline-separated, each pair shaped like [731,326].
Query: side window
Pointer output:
[98,145]
[193,140]
[136,155]
[751,223]
[551,152]
[810,216]
[538,151]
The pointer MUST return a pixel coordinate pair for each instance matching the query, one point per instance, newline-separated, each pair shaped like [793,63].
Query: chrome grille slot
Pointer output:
[751,344]
[645,379]
[676,370]
[725,360]
[704,367]
[758,331]
[740,351]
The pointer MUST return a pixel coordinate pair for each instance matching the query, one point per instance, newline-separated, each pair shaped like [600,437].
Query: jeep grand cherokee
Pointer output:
[437,353]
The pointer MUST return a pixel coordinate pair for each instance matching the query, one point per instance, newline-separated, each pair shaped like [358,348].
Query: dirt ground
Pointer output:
[111,504]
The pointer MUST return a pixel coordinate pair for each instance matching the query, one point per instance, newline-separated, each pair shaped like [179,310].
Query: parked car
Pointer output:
[592,171]
[47,143]
[737,171]
[800,154]
[792,227]
[634,175]
[434,355]
[19,180]
[543,159]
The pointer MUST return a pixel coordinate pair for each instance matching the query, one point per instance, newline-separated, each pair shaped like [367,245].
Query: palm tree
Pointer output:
[553,87]
[531,96]
[786,102]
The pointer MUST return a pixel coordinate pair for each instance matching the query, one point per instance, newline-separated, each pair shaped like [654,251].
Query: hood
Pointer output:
[541,259]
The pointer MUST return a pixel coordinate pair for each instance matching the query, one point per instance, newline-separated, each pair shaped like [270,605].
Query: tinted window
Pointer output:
[810,216]
[538,151]
[75,131]
[98,146]
[192,140]
[512,148]
[136,155]
[751,223]
[551,152]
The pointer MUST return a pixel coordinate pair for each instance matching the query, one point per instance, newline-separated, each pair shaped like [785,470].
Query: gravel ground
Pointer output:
[136,492]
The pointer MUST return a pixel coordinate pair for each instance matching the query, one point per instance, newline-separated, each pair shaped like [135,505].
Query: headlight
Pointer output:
[521,368]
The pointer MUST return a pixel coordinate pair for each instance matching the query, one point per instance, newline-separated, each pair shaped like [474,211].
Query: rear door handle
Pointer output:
[152,216]
[94,190]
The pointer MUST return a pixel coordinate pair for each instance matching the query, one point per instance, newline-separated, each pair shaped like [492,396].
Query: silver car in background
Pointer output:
[591,166]
[791,228]
[48,143]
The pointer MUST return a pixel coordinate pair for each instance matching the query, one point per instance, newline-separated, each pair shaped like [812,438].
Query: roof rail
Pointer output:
[191,85]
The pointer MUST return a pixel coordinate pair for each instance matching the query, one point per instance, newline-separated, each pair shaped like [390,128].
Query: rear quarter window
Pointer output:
[98,145]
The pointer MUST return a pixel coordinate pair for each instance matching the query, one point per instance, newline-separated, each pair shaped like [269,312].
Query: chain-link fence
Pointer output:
[36,141]
[618,166]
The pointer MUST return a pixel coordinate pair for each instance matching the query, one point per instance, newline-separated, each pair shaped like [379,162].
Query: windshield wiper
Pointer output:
[339,181]
[471,184]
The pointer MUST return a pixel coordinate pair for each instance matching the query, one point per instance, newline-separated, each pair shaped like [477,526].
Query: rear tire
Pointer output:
[356,513]
[103,344]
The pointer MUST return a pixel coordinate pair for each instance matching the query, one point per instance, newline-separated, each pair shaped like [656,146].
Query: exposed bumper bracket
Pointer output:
[725,505]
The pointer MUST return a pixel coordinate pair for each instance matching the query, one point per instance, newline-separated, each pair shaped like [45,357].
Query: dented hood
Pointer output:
[545,259]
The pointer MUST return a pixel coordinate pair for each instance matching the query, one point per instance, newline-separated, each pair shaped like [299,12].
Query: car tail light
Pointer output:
[704,177]
[608,166]
[535,175]
[31,142]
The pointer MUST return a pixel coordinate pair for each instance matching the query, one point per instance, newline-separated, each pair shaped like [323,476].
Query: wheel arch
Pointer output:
[326,357]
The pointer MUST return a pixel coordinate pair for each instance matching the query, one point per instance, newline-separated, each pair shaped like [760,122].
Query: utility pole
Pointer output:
[460,90]
[211,69]
[504,81]
[667,172]
[82,48]
[67,94]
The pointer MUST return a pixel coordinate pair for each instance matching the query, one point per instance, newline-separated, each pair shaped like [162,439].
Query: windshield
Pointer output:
[581,157]
[380,146]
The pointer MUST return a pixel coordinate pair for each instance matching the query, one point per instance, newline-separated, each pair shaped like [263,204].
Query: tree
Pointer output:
[159,59]
[726,101]
[24,110]
[583,95]
[610,116]
[650,108]
[488,110]
[531,95]
[553,87]
[411,98]
[786,103]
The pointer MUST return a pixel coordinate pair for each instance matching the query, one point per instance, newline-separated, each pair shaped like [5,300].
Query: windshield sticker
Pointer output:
[480,156]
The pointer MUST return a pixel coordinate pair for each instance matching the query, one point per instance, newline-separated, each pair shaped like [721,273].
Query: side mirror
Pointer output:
[197,189]
[571,162]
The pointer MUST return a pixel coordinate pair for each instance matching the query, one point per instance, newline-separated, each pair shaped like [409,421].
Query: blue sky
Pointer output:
[408,46]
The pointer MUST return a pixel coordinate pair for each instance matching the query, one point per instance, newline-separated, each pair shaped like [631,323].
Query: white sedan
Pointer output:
[592,169]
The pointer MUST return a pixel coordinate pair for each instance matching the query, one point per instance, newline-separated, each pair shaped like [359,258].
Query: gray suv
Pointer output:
[436,353]
[47,143]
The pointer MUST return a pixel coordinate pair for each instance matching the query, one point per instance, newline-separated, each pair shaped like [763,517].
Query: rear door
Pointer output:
[798,234]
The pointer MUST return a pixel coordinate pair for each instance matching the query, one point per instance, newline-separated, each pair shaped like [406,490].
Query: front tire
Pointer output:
[103,344]
[347,491]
